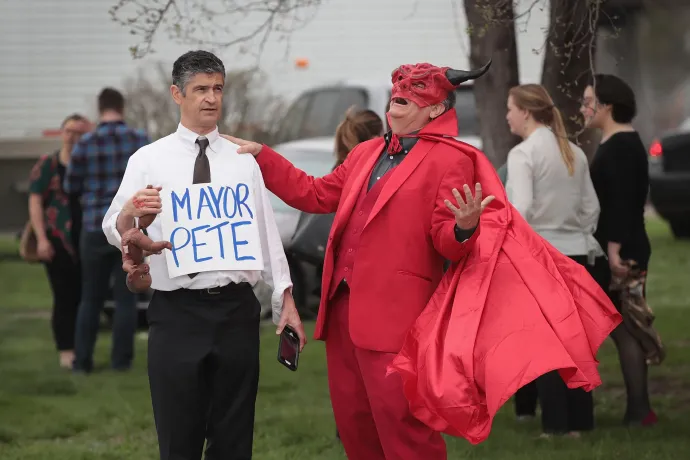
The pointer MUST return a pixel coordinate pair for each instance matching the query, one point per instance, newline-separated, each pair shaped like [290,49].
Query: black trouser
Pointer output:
[203,364]
[64,275]
[526,400]
[562,409]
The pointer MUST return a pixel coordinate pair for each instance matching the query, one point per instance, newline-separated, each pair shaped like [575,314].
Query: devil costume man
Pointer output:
[412,352]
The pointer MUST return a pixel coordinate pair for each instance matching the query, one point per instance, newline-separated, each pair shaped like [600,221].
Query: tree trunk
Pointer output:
[493,36]
[569,63]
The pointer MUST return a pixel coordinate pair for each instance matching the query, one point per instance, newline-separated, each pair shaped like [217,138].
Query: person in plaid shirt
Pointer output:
[98,163]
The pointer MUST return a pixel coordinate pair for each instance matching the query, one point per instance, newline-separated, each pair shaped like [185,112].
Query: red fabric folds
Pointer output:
[512,310]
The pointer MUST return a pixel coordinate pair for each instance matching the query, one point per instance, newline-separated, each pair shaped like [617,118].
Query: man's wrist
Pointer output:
[462,235]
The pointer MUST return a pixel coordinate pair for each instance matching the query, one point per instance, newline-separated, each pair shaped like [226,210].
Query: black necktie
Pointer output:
[202,169]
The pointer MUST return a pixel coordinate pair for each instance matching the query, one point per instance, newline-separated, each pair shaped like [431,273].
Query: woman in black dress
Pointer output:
[620,174]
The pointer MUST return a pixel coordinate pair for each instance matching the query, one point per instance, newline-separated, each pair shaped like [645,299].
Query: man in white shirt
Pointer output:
[204,318]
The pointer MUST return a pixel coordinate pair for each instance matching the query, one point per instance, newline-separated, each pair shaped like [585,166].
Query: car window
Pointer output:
[292,121]
[321,116]
[349,97]
[466,109]
[318,113]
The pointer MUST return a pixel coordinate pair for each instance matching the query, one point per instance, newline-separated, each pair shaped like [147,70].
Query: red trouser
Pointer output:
[371,412]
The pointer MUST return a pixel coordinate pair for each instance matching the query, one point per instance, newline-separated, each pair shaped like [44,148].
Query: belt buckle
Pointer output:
[213,291]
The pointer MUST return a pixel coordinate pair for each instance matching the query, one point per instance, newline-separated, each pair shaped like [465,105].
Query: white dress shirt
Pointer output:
[170,161]
[563,209]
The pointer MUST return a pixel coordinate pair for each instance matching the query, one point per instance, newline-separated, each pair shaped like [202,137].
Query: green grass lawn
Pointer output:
[46,413]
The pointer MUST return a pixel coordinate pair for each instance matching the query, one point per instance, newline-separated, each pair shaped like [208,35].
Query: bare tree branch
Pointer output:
[214,24]
[569,45]
[569,61]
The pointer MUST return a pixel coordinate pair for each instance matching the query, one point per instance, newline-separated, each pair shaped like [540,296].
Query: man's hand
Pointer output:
[44,250]
[467,213]
[145,201]
[291,318]
[245,146]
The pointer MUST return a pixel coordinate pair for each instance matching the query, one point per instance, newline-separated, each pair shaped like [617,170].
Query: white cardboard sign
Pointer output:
[211,227]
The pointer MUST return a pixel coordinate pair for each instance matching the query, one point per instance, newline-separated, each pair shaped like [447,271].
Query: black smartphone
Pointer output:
[288,348]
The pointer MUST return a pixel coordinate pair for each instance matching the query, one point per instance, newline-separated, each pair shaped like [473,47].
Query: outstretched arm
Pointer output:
[298,189]
[315,195]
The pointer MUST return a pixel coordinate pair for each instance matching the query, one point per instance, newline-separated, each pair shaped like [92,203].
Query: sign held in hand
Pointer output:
[211,227]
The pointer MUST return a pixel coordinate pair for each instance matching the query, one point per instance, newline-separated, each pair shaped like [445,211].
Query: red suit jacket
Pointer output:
[514,309]
[409,233]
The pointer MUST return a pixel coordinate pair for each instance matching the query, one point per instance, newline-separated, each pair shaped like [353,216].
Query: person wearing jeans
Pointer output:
[103,262]
[98,164]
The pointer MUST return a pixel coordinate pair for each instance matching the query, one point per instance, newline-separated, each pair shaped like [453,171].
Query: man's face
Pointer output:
[72,131]
[406,116]
[201,103]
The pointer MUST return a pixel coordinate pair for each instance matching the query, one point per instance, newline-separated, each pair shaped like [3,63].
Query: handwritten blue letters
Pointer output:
[226,207]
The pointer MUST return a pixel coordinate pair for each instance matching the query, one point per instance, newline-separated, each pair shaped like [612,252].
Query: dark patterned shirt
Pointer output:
[59,210]
[98,164]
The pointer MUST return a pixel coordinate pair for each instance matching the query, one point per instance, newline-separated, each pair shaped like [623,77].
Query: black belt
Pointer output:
[228,288]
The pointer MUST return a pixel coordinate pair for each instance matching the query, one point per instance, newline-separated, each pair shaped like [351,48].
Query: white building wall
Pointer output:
[57,54]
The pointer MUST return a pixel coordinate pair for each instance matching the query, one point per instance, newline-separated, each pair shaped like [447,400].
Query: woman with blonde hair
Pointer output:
[549,184]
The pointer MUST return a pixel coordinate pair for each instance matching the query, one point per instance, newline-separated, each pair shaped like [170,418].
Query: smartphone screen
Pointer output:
[288,349]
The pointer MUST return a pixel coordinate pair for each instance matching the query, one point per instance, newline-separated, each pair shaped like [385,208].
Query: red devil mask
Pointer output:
[425,84]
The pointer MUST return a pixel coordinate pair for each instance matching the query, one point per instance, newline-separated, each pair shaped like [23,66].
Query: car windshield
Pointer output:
[313,162]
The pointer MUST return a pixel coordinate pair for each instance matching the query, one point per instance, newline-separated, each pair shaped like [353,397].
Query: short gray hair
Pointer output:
[192,63]
[449,101]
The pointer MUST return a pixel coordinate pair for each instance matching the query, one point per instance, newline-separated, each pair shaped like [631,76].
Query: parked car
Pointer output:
[669,178]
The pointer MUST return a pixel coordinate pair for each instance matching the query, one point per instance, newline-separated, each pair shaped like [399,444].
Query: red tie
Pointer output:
[394,145]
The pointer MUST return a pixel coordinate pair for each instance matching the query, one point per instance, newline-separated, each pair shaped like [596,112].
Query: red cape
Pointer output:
[514,309]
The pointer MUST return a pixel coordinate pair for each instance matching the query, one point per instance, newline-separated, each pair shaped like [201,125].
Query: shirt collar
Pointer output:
[406,142]
[188,138]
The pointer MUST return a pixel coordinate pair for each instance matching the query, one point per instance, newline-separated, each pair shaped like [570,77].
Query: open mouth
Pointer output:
[400,101]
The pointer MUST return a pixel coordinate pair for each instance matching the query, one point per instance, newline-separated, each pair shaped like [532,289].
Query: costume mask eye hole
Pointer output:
[419,85]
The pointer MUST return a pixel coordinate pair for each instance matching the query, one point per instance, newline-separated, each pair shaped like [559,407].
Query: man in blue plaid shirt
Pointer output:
[98,163]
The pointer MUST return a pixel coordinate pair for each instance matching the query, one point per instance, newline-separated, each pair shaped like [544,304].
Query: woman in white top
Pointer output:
[548,182]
